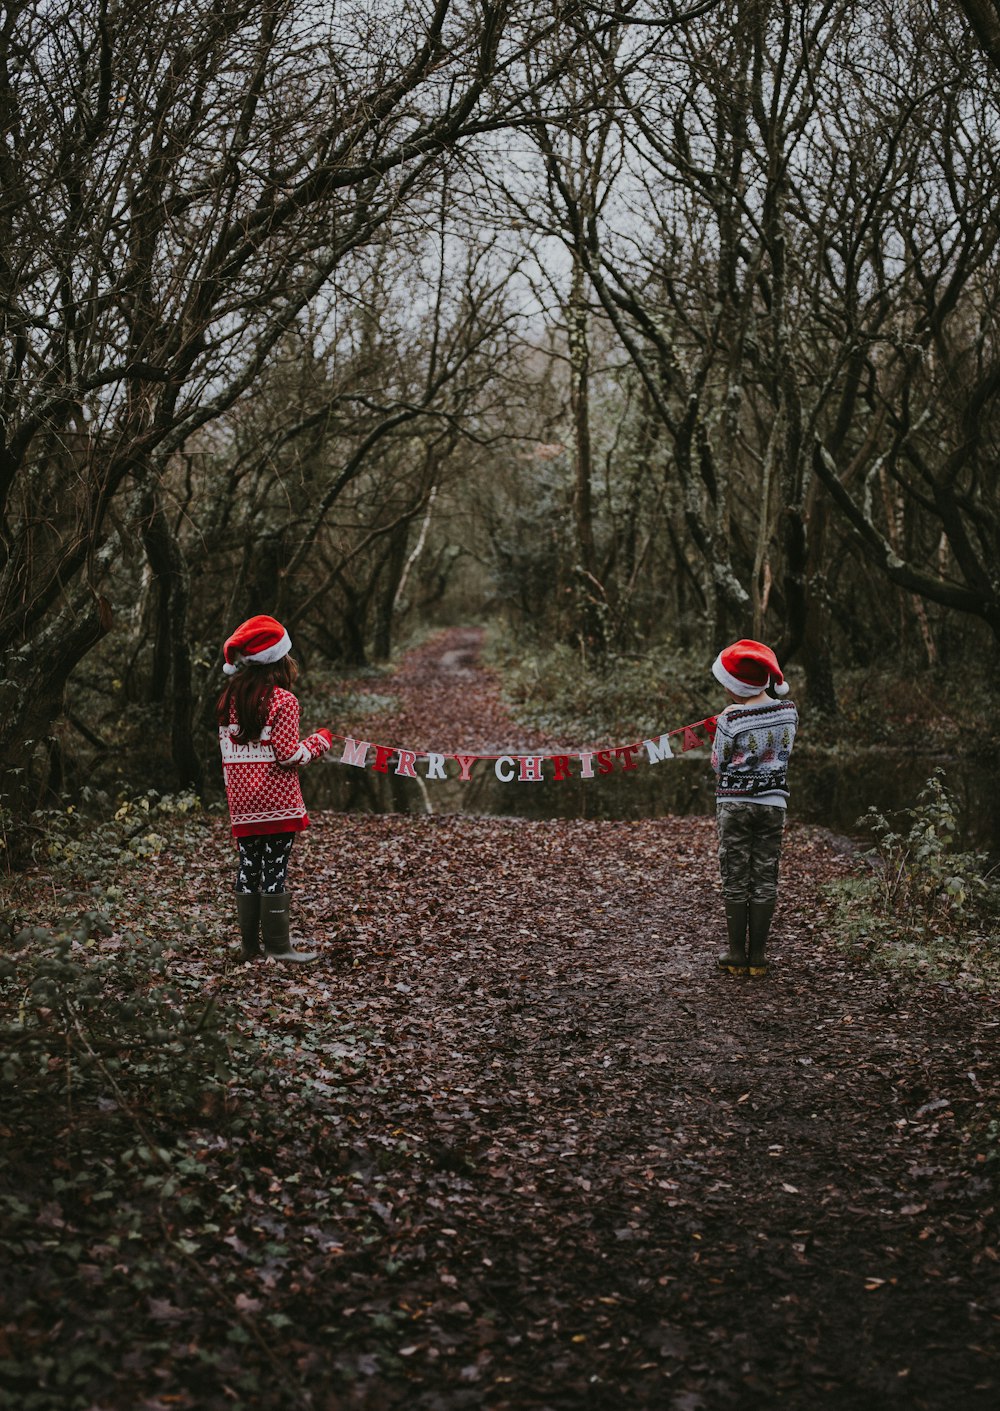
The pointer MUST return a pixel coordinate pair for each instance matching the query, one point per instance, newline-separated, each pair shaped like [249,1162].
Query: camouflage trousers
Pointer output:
[749,849]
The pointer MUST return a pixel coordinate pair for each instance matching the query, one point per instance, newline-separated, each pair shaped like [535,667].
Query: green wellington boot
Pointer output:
[274,929]
[735,959]
[760,924]
[248,911]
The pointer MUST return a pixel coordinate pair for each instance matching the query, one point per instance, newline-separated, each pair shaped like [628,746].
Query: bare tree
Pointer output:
[984,17]
[178,185]
[921,363]
[803,244]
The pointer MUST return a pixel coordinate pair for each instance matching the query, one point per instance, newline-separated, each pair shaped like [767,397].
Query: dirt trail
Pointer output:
[516,1144]
[448,700]
[672,1188]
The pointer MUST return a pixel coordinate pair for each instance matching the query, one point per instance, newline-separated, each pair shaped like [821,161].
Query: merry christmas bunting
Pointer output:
[525,768]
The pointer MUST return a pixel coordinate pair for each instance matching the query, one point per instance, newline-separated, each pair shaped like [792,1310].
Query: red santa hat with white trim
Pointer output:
[746,668]
[258,641]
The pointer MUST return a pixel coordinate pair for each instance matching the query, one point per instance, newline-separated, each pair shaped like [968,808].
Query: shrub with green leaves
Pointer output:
[78,1025]
[95,834]
[918,876]
[922,904]
[88,1006]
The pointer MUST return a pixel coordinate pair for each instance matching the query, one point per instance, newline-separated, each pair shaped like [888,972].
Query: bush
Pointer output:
[88,837]
[87,1001]
[84,1026]
[923,905]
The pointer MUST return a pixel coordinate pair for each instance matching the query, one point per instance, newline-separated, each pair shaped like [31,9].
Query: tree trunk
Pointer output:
[590,618]
[984,17]
[395,564]
[808,618]
[159,674]
[417,550]
[355,623]
[173,586]
[31,697]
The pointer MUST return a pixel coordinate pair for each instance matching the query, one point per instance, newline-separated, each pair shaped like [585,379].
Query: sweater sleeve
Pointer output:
[718,740]
[289,751]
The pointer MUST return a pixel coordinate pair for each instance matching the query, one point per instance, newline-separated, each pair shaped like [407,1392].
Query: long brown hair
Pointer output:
[247,696]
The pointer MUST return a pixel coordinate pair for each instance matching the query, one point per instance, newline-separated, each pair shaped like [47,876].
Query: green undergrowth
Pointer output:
[921,712]
[548,687]
[340,700]
[90,924]
[921,905]
[93,838]
[166,1159]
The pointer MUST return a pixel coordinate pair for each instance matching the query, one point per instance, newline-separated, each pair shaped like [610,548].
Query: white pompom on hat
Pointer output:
[260,640]
[746,668]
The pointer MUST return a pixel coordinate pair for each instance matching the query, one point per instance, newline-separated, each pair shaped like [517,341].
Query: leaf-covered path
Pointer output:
[527,1149]
[631,1176]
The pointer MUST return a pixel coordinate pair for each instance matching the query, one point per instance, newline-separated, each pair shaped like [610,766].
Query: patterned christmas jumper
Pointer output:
[751,750]
[262,780]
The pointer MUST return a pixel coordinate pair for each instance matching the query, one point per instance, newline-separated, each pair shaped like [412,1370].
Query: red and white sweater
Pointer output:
[262,779]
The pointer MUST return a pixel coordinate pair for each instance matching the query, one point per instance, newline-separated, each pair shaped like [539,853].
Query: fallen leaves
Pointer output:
[514,1143]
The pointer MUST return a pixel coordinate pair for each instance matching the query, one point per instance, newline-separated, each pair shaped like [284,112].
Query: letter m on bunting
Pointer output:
[658,749]
[355,752]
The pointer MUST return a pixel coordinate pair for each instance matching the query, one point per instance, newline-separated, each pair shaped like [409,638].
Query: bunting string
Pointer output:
[513,766]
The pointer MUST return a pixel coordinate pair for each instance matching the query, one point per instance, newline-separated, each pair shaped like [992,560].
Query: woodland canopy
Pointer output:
[636,325]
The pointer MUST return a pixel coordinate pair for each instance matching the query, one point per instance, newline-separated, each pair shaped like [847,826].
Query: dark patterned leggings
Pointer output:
[263,862]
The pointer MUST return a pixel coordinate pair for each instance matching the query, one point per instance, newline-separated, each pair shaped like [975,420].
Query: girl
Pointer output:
[261,754]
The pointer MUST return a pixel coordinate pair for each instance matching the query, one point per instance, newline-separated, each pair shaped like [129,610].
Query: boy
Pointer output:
[753,741]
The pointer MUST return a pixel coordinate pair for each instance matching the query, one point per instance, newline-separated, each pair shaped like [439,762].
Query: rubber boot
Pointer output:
[274,929]
[760,924]
[735,959]
[248,911]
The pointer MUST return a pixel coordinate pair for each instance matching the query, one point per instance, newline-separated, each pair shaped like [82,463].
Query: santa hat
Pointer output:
[747,668]
[260,640]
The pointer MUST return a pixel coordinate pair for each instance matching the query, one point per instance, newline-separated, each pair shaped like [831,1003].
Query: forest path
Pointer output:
[513,1142]
[447,700]
[630,1180]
